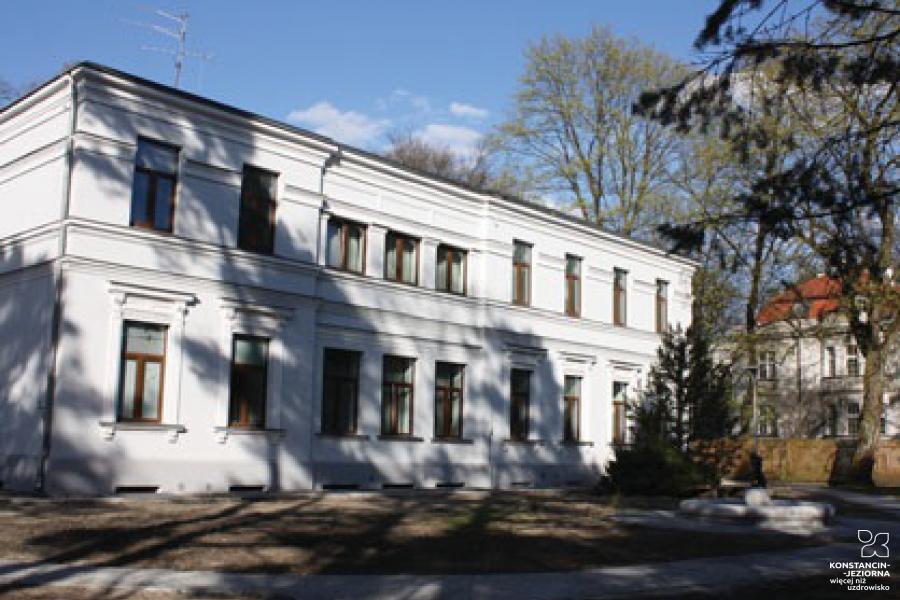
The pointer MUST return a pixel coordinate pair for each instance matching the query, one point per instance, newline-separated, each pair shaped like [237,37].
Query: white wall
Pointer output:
[197,283]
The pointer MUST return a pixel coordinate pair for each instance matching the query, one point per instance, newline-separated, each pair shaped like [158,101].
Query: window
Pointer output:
[620,421]
[448,400]
[397,396]
[249,367]
[143,366]
[572,409]
[401,258]
[346,245]
[153,192]
[521,274]
[852,361]
[520,399]
[852,418]
[256,225]
[620,300]
[451,270]
[340,391]
[662,306]
[830,359]
[573,285]
[767,364]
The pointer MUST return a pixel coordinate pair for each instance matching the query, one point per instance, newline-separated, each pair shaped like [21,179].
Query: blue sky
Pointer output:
[352,69]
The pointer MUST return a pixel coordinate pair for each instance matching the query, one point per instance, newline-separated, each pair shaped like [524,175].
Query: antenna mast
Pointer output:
[179,33]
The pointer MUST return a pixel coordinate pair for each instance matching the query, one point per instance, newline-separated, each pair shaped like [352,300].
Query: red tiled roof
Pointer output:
[819,296]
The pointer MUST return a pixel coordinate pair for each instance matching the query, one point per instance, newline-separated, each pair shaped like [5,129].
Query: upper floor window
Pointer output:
[572,409]
[573,285]
[620,298]
[521,274]
[448,400]
[662,306]
[451,270]
[143,365]
[397,396]
[256,224]
[346,245]
[401,258]
[153,192]
[829,369]
[852,418]
[767,364]
[249,369]
[340,391]
[520,399]
[852,361]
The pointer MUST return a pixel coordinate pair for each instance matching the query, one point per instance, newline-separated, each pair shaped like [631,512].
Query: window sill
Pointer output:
[343,436]
[575,443]
[111,427]
[515,442]
[400,438]
[451,440]
[223,433]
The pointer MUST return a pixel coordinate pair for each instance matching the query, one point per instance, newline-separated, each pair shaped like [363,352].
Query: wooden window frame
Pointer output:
[243,410]
[333,428]
[620,415]
[451,251]
[518,267]
[244,244]
[389,398]
[154,176]
[447,392]
[519,431]
[620,310]
[573,301]
[345,225]
[398,257]
[142,358]
[662,306]
[830,362]
[568,403]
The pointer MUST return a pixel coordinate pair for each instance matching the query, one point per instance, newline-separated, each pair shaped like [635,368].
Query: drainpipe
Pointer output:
[333,160]
[56,320]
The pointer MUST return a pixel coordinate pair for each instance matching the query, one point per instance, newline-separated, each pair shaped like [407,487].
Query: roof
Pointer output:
[818,296]
[341,147]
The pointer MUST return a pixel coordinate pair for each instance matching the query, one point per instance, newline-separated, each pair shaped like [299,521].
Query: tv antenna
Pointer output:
[178,32]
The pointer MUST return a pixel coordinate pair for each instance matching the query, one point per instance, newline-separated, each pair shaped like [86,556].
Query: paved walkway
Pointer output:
[665,579]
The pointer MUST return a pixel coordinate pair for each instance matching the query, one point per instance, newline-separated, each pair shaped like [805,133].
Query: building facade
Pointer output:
[810,382]
[194,299]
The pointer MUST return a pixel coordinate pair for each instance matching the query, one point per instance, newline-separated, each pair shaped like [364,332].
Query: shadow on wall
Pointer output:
[89,471]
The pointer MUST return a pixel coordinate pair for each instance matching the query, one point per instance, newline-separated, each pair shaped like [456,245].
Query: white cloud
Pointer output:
[461,140]
[401,96]
[349,127]
[461,109]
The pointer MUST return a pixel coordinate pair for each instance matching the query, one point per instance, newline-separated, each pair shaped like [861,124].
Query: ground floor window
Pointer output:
[620,420]
[397,395]
[572,409]
[143,367]
[448,400]
[340,391]
[520,399]
[249,368]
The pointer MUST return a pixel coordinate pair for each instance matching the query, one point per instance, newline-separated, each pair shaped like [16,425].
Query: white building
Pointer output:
[195,298]
[811,368]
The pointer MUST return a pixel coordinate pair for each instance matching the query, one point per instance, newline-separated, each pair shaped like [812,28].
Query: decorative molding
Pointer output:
[223,433]
[109,429]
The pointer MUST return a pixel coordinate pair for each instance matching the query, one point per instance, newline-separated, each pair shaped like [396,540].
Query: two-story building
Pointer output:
[195,298]
[810,376]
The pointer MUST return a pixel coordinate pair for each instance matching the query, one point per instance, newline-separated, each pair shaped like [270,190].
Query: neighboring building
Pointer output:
[194,298]
[810,368]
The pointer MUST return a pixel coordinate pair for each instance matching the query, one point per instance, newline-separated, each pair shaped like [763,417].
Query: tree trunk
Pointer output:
[870,415]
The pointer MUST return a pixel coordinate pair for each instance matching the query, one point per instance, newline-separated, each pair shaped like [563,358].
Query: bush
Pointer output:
[655,468]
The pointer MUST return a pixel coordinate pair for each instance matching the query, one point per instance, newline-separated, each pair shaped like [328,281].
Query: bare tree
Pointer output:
[574,127]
